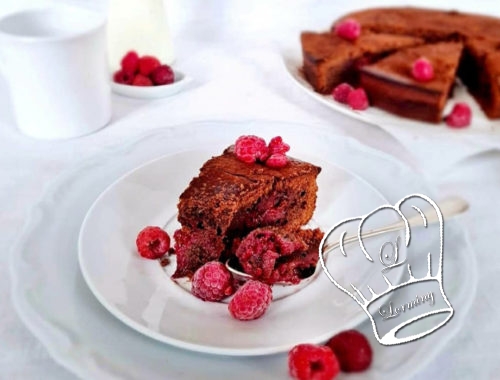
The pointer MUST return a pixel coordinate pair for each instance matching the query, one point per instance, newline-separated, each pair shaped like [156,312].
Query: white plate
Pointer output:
[481,130]
[53,300]
[152,92]
[142,295]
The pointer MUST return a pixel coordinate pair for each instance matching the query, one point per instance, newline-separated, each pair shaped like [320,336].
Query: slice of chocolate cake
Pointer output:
[232,196]
[329,60]
[229,198]
[390,85]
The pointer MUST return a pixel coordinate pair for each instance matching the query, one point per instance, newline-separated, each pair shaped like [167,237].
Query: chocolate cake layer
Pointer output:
[330,60]
[390,85]
[231,196]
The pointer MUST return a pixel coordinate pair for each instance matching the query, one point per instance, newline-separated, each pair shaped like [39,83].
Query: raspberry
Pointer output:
[162,75]
[250,301]
[141,80]
[352,349]
[357,99]
[152,242]
[212,282]
[422,70]
[130,63]
[277,160]
[123,77]
[276,145]
[460,116]
[147,64]
[250,149]
[311,362]
[341,92]
[348,29]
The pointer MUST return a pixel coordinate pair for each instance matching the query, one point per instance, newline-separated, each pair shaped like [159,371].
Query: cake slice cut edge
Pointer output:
[329,60]
[390,85]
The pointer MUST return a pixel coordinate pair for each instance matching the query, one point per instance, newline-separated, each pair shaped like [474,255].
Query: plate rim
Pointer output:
[291,57]
[123,318]
[152,92]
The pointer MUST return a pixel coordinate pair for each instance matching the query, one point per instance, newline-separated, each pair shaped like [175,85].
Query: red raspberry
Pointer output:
[277,160]
[276,145]
[141,80]
[147,64]
[357,99]
[311,362]
[348,29]
[352,349]
[250,149]
[341,92]
[250,301]
[123,77]
[162,75]
[152,242]
[212,282]
[460,116]
[422,70]
[130,63]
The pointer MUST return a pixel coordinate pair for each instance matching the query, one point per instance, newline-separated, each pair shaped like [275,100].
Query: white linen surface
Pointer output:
[232,48]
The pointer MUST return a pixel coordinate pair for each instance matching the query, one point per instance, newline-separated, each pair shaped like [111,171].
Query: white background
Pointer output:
[231,48]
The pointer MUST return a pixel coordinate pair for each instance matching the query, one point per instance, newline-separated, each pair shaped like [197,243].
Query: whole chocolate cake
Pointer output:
[478,65]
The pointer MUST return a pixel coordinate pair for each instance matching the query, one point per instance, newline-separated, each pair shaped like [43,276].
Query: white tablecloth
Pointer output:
[232,51]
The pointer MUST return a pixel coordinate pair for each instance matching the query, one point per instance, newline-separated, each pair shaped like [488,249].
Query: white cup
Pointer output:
[55,62]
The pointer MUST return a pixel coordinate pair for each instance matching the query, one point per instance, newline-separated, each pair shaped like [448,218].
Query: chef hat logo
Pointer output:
[395,277]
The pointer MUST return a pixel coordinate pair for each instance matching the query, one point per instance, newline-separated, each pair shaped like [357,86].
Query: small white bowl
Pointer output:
[152,92]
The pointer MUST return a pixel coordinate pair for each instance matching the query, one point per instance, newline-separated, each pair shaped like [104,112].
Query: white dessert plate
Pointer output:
[481,130]
[54,301]
[142,295]
[152,92]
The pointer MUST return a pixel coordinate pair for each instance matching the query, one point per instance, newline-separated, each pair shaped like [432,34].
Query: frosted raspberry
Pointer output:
[152,242]
[147,64]
[348,29]
[250,149]
[212,282]
[130,63]
[357,99]
[352,349]
[276,145]
[277,160]
[141,80]
[311,362]
[341,92]
[250,301]
[460,116]
[123,77]
[422,70]
[162,75]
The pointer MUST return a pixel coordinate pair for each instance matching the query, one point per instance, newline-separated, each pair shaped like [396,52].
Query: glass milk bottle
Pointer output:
[139,25]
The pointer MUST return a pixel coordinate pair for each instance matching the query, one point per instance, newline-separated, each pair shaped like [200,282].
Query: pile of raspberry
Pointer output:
[143,71]
[348,351]
[211,282]
[421,70]
[251,149]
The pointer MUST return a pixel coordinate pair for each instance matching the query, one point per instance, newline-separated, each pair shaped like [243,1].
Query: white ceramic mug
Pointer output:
[55,62]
